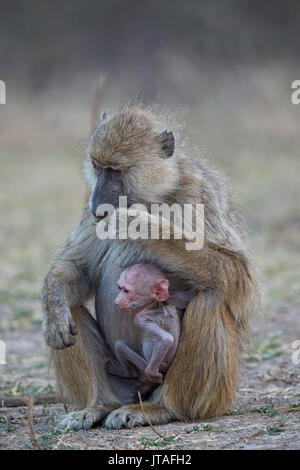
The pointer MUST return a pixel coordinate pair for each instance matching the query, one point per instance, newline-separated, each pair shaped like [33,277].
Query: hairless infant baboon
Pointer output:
[134,153]
[144,289]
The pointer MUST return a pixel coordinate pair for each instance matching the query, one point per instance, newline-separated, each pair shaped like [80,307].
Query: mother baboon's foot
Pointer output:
[129,416]
[83,419]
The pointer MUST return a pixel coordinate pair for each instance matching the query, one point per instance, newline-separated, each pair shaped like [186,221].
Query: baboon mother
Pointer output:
[131,154]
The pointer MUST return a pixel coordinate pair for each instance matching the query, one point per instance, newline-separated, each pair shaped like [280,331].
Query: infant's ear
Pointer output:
[160,290]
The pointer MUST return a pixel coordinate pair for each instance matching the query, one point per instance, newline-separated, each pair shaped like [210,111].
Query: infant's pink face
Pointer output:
[126,296]
[132,293]
[139,285]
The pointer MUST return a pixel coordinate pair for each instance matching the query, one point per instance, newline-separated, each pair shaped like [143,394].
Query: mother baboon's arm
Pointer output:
[214,267]
[68,285]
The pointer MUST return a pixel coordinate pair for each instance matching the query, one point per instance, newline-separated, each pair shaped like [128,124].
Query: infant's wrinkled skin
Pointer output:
[144,290]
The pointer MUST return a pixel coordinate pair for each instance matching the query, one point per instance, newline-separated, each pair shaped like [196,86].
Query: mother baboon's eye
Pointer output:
[114,171]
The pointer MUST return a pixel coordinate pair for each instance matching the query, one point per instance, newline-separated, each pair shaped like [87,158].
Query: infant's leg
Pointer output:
[129,359]
[162,343]
[113,367]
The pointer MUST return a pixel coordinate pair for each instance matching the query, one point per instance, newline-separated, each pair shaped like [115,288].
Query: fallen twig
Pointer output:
[29,426]
[244,439]
[146,417]
[19,400]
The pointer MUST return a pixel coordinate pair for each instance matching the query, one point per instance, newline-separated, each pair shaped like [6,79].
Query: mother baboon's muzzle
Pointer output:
[107,190]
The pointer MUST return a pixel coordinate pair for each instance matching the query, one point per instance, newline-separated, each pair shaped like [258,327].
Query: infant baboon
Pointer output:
[145,290]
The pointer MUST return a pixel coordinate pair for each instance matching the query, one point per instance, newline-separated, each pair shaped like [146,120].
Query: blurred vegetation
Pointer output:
[42,39]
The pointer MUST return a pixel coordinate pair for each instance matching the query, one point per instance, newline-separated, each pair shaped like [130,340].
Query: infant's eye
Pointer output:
[126,291]
[119,287]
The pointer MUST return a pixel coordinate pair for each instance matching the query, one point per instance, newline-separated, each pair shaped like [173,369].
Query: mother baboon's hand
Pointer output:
[59,328]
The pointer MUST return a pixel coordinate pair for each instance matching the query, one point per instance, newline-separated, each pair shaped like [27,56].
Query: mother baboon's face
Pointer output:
[128,155]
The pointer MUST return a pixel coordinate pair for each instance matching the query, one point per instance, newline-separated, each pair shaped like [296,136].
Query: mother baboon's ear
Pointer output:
[167,142]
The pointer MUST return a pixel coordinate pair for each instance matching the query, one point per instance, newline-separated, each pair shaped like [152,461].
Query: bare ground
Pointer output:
[265,415]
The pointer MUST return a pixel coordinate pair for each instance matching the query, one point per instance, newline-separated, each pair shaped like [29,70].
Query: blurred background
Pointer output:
[227,65]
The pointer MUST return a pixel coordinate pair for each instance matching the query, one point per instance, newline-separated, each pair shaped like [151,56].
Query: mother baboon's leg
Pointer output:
[202,380]
[80,374]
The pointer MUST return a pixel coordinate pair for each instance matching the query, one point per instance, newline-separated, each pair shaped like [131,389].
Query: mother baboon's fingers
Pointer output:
[129,416]
[84,419]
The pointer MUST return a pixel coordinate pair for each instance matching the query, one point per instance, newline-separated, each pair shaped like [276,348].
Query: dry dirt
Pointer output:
[265,415]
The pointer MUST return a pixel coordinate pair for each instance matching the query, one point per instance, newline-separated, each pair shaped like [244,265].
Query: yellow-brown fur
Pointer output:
[201,381]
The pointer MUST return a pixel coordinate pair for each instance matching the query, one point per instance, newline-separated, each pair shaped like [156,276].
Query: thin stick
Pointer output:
[97,100]
[29,426]
[243,439]
[6,402]
[146,417]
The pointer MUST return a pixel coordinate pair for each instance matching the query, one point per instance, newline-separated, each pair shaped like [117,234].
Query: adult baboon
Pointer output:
[131,154]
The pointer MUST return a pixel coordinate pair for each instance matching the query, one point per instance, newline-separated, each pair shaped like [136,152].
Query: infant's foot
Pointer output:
[154,376]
